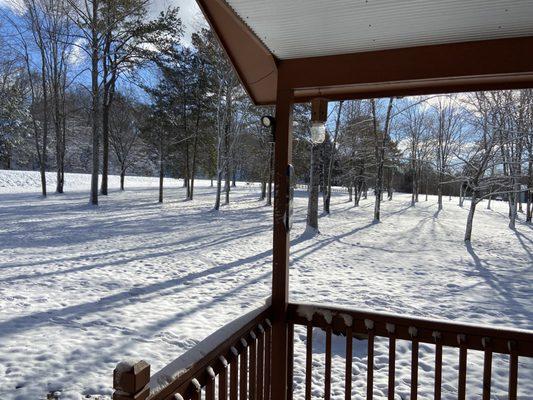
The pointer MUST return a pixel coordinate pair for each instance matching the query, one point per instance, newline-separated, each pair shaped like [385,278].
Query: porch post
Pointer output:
[280,272]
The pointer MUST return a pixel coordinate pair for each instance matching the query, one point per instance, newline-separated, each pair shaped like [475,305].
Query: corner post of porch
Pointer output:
[280,271]
[130,381]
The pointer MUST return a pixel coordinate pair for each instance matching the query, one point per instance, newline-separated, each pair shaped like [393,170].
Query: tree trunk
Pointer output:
[439,193]
[470,219]
[332,160]
[350,196]
[219,172]
[270,174]
[427,186]
[513,202]
[161,176]
[194,151]
[529,193]
[461,195]
[105,149]
[94,106]
[390,190]
[312,204]
[227,185]
[122,175]
[529,210]
[263,189]
[414,189]
[187,171]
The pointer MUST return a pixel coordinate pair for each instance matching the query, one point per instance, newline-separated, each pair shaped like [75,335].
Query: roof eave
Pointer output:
[453,67]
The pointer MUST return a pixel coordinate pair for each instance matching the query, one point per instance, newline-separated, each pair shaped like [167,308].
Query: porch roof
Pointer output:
[370,48]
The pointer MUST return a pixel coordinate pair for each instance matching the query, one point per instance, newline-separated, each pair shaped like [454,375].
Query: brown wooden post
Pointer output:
[280,271]
[130,381]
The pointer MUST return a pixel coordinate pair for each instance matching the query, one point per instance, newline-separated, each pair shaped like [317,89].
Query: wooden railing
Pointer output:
[368,325]
[233,363]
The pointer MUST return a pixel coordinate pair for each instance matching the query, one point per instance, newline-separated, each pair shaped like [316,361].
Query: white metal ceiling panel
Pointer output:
[309,28]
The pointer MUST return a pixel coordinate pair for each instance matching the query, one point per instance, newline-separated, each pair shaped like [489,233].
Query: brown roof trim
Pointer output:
[454,67]
[253,62]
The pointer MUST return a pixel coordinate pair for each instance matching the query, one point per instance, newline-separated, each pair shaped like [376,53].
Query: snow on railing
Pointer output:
[242,344]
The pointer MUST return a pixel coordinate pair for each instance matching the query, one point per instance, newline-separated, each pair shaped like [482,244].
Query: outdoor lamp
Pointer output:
[267,121]
[318,132]
[319,115]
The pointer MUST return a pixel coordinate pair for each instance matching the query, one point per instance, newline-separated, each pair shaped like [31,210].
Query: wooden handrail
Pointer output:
[426,328]
[236,360]
[196,369]
[367,325]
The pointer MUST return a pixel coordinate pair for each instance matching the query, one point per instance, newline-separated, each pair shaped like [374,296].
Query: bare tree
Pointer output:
[447,132]
[327,195]
[381,139]
[124,133]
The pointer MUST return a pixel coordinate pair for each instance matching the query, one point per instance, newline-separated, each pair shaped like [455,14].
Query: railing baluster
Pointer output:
[487,368]
[309,360]
[349,357]
[223,380]
[392,359]
[244,371]
[210,386]
[260,362]
[268,358]
[252,371]
[196,390]
[327,378]
[370,360]
[438,365]
[461,389]
[234,375]
[290,361]
[513,370]
[414,363]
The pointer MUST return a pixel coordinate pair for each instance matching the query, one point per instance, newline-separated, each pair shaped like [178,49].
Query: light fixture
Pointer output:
[318,132]
[319,116]
[267,121]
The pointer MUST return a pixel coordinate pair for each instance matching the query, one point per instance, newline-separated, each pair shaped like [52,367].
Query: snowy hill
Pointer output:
[30,181]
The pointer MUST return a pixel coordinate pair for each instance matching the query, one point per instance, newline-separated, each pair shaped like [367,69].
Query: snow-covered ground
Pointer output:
[82,288]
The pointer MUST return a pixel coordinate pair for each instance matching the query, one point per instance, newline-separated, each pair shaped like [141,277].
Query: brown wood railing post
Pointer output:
[223,379]
[392,359]
[130,381]
[461,388]
[327,372]
[487,368]
[309,360]
[438,365]
[369,324]
[280,256]
[348,366]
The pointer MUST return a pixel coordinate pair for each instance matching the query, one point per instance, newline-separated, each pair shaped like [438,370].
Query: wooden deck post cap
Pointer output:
[130,380]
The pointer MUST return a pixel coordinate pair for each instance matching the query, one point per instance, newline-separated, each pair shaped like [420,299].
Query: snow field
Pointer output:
[83,288]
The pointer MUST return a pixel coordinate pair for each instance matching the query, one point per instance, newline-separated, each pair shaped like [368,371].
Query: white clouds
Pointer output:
[190,13]
[16,6]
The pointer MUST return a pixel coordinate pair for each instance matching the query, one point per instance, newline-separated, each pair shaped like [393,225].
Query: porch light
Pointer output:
[318,132]
[267,121]
[319,115]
